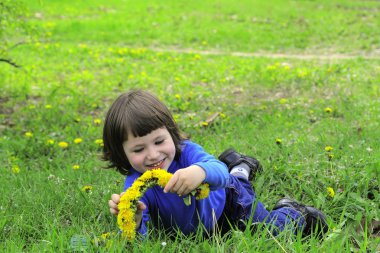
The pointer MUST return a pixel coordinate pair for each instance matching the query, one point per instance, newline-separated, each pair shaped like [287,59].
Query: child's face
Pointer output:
[152,151]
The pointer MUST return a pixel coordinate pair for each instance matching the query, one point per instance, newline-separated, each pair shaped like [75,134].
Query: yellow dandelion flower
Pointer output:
[15,169]
[204,123]
[302,73]
[126,216]
[283,101]
[76,167]
[124,204]
[29,134]
[139,183]
[126,219]
[285,66]
[87,188]
[146,176]
[164,179]
[197,57]
[129,231]
[328,148]
[78,140]
[97,121]
[330,192]
[134,194]
[157,173]
[177,96]
[99,142]
[50,142]
[121,51]
[83,46]
[205,191]
[105,236]
[328,110]
[63,144]
[278,141]
[104,239]
[48,106]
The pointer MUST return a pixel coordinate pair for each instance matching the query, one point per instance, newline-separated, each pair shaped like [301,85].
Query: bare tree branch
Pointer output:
[10,62]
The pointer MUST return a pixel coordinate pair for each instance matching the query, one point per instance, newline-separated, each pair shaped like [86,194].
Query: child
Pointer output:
[140,134]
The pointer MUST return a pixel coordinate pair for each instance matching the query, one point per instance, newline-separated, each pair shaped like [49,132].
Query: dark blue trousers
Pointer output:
[243,208]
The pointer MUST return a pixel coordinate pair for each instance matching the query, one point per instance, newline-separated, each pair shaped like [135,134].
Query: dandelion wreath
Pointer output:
[128,202]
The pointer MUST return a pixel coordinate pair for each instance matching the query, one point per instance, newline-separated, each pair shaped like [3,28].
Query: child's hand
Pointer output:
[138,217]
[115,199]
[185,180]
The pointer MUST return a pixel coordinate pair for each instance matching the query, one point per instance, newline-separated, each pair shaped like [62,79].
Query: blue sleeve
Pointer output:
[216,171]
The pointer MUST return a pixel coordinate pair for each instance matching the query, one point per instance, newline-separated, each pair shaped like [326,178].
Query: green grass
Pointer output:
[276,26]
[92,52]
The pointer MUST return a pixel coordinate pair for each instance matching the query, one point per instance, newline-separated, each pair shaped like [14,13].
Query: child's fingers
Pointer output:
[112,204]
[183,190]
[171,183]
[115,198]
[140,206]
[113,207]
[138,217]
[114,211]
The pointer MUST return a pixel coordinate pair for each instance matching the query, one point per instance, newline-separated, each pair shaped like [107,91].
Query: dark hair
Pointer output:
[138,112]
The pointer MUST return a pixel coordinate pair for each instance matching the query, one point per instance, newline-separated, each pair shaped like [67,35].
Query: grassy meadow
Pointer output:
[294,83]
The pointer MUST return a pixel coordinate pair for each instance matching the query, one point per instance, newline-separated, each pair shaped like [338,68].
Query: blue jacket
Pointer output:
[168,211]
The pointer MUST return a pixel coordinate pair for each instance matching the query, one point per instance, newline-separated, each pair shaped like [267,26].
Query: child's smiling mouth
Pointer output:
[157,165]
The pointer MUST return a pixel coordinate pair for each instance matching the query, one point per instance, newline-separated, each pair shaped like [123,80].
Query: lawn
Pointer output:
[294,83]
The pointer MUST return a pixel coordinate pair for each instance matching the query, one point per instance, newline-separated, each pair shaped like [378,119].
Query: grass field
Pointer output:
[294,83]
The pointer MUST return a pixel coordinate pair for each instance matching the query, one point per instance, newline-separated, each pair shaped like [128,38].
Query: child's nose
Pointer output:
[153,154]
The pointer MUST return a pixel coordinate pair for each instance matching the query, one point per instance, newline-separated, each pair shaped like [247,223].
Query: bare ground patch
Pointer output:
[331,56]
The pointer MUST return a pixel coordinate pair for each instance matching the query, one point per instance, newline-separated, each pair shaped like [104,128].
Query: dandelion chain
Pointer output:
[128,202]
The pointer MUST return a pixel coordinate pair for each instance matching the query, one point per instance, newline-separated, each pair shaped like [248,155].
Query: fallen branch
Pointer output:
[10,62]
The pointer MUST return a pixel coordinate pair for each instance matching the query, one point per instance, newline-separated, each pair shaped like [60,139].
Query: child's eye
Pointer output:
[138,150]
[159,142]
